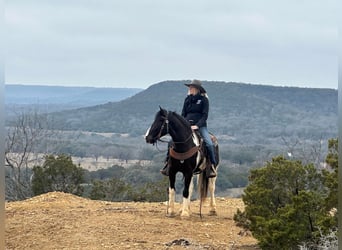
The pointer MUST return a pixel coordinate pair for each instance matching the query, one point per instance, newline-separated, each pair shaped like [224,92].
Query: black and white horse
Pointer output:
[186,155]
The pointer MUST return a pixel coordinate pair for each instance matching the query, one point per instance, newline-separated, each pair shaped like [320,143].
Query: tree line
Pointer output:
[61,174]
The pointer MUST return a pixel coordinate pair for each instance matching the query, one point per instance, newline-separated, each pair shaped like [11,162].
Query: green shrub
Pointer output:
[57,174]
[285,204]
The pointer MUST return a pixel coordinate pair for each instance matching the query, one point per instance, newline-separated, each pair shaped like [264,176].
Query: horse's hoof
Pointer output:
[171,215]
[185,215]
[213,213]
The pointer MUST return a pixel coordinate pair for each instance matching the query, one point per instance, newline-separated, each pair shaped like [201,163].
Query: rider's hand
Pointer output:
[194,127]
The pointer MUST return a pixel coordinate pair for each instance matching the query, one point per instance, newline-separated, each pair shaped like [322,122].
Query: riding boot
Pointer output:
[211,168]
[211,152]
[211,171]
[165,170]
[197,170]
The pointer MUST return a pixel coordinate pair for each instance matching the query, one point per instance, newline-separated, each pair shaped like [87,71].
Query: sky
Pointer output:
[137,43]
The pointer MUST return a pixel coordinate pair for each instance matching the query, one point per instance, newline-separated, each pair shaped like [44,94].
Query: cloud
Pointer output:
[137,43]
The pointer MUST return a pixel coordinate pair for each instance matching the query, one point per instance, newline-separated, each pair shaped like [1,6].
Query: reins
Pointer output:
[166,122]
[185,140]
[177,142]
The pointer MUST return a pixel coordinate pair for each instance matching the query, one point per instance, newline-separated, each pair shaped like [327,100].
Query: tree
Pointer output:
[302,150]
[112,189]
[57,174]
[152,191]
[23,136]
[284,204]
[115,189]
[331,179]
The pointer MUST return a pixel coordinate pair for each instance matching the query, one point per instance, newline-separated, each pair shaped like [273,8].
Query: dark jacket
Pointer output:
[196,109]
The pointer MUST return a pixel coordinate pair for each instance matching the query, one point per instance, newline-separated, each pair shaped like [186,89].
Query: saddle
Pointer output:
[201,148]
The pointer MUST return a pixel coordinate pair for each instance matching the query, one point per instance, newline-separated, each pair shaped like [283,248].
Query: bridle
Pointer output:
[166,122]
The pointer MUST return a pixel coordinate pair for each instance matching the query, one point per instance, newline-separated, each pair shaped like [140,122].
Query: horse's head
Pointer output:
[159,127]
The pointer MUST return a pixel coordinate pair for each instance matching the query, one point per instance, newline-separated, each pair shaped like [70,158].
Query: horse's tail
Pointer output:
[203,185]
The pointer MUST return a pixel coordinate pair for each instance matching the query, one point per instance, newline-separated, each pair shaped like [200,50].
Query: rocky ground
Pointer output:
[64,221]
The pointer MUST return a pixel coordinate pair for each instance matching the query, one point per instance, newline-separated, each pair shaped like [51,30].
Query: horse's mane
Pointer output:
[181,119]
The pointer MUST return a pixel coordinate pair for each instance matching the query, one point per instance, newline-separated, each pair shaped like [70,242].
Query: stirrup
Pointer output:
[165,169]
[212,172]
[196,171]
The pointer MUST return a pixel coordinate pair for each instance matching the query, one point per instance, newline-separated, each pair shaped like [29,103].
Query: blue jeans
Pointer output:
[209,144]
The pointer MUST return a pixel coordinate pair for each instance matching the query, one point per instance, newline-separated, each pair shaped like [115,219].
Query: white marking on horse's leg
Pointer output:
[212,182]
[185,207]
[172,201]
[186,201]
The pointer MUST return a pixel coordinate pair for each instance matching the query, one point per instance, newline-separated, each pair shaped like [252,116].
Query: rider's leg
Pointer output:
[209,144]
[210,147]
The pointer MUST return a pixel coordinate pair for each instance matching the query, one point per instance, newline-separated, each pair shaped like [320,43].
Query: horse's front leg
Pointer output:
[212,182]
[172,194]
[187,192]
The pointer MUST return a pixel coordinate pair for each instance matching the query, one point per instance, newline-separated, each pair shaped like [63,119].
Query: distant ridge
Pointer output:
[46,99]
[63,95]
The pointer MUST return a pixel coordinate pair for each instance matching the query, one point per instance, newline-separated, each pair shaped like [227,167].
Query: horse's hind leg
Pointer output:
[187,192]
[212,210]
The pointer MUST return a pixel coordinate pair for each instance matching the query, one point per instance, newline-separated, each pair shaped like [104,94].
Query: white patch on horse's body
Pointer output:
[197,142]
[147,132]
[195,139]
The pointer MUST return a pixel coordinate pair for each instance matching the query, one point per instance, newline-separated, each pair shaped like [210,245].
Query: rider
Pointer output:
[195,110]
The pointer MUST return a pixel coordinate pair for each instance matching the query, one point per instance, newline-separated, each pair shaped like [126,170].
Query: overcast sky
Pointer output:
[137,43]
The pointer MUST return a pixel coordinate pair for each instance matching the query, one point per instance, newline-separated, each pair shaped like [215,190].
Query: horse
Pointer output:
[185,156]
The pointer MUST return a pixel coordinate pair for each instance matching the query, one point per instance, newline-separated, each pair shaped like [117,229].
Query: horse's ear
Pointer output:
[161,109]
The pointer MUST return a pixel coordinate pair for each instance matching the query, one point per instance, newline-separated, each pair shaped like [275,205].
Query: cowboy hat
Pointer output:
[196,84]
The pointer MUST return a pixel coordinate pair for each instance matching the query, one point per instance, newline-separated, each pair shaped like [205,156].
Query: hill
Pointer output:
[64,221]
[243,112]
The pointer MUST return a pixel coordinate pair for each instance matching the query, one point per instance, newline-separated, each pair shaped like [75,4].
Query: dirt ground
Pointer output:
[64,221]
